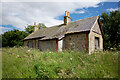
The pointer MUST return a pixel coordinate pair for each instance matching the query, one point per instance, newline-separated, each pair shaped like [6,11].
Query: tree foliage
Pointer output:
[30,28]
[111,28]
[13,38]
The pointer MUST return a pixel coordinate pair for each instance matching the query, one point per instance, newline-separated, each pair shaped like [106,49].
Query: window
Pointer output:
[40,47]
[30,44]
[96,42]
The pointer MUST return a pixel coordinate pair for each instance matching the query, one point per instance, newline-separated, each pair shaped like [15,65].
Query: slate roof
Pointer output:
[59,31]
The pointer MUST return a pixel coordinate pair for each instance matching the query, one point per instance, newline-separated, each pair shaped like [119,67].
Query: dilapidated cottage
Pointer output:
[82,35]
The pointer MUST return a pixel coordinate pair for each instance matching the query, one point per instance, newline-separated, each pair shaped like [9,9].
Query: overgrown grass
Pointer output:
[31,63]
[0,63]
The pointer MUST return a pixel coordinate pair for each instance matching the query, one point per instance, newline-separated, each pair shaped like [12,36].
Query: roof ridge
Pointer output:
[60,29]
[83,19]
[50,27]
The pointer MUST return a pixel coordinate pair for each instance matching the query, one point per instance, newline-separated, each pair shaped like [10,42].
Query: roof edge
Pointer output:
[94,23]
[34,38]
[84,18]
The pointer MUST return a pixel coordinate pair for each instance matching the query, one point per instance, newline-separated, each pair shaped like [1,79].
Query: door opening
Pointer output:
[96,42]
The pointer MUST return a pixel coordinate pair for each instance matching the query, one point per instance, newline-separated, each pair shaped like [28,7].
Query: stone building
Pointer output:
[82,35]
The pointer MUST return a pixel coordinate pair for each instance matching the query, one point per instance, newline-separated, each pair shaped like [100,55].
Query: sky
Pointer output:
[16,14]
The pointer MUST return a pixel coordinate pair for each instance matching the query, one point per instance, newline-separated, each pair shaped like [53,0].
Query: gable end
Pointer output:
[97,28]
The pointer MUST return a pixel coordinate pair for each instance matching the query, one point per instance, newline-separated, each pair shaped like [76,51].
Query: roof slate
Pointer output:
[59,31]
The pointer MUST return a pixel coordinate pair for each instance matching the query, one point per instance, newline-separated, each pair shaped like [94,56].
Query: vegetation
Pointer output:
[30,63]
[0,41]
[110,23]
[30,28]
[13,38]
[111,28]
[0,63]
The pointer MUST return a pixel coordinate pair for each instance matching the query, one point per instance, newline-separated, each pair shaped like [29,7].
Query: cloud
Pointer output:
[20,13]
[79,12]
[112,9]
[3,29]
[58,0]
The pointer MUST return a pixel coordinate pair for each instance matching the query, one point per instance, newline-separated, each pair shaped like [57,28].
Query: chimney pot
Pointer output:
[67,19]
[35,27]
[66,13]
[35,24]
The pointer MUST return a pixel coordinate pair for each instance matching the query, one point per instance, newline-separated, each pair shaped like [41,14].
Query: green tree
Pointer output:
[13,38]
[111,28]
[29,29]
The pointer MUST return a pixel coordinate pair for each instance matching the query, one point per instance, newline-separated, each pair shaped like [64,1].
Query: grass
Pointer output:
[31,63]
[0,63]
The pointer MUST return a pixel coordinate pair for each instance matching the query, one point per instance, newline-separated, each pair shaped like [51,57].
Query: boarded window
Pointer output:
[96,42]
[30,44]
[47,45]
[50,45]
[40,47]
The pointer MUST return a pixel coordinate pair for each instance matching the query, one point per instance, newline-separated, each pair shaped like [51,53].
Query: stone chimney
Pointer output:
[35,27]
[67,19]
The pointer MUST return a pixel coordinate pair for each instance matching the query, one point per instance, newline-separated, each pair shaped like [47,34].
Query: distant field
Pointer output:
[30,63]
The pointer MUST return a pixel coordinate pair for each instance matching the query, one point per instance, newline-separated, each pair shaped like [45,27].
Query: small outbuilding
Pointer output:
[82,35]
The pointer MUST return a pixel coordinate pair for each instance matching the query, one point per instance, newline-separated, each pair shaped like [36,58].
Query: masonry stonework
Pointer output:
[96,28]
[95,32]
[81,35]
[25,43]
[75,41]
[48,45]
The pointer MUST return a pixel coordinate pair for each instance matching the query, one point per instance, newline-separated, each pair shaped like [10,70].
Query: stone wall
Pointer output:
[26,43]
[96,28]
[60,45]
[43,45]
[92,36]
[35,43]
[75,41]
[95,32]
[48,45]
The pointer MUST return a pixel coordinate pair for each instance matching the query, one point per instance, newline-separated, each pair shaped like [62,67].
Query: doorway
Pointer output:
[96,42]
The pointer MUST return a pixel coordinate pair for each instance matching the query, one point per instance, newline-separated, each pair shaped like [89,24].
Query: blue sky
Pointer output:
[92,11]
[18,15]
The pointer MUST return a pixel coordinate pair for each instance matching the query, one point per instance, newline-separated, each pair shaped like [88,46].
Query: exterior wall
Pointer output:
[48,45]
[35,43]
[96,28]
[26,43]
[76,41]
[95,32]
[92,36]
[60,45]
